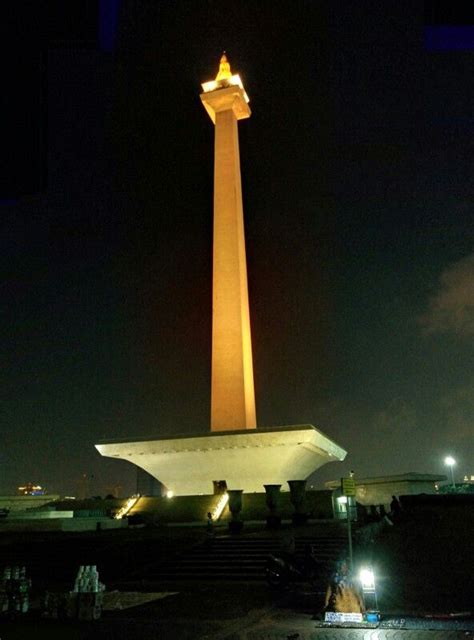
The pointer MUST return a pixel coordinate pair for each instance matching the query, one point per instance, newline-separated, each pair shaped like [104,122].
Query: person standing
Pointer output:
[395,509]
[210,526]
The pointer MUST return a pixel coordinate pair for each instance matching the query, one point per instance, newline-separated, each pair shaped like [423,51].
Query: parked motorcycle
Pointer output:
[283,569]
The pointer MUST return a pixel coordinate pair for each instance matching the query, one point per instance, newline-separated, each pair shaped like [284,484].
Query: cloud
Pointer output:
[397,422]
[451,309]
[457,410]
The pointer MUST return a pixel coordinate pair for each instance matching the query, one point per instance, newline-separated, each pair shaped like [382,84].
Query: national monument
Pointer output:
[234,451]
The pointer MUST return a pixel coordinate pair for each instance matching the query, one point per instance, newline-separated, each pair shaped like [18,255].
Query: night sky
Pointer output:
[357,170]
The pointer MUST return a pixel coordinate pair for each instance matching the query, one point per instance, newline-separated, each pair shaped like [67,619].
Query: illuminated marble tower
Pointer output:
[232,389]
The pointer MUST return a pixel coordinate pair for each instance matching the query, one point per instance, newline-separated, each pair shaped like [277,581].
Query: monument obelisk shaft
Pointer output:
[232,390]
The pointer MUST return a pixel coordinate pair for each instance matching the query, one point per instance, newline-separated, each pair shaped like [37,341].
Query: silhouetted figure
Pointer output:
[395,509]
[374,515]
[210,526]
[288,548]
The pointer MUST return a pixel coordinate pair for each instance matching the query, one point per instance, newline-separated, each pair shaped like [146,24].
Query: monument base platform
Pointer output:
[248,459]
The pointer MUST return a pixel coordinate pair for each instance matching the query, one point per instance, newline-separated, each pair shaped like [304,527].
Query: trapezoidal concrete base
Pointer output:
[248,459]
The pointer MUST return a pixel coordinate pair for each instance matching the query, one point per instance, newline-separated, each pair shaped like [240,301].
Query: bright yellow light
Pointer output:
[131,502]
[224,69]
[219,508]
[169,494]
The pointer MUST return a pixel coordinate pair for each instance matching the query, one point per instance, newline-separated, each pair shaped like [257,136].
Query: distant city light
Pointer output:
[30,489]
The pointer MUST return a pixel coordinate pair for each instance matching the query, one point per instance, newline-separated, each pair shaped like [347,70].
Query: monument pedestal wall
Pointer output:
[246,459]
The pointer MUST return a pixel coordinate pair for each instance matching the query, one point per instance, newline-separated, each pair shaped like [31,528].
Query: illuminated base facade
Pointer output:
[247,459]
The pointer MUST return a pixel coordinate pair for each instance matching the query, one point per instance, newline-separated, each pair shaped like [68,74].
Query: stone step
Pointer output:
[241,559]
[222,577]
[328,557]
[212,568]
[276,549]
[251,544]
[227,547]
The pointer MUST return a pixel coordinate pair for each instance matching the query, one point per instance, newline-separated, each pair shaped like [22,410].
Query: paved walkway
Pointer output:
[350,634]
[265,623]
[278,625]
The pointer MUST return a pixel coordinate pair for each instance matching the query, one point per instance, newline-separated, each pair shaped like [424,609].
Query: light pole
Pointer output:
[450,462]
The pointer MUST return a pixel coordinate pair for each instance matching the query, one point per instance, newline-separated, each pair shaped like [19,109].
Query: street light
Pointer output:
[450,462]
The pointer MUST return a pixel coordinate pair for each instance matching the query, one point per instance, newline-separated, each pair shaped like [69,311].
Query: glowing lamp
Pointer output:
[449,461]
[367,579]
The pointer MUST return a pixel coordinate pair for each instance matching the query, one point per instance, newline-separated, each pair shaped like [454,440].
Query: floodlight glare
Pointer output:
[169,494]
[367,579]
[450,462]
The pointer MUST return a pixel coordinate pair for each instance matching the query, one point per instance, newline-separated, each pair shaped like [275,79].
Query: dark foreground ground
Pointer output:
[424,575]
[228,612]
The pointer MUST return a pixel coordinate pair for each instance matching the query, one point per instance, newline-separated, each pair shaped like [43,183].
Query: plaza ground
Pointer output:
[422,564]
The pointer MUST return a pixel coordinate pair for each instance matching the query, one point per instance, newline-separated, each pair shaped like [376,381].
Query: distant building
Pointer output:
[379,490]
[30,489]
[24,502]
[83,491]
[115,490]
[147,485]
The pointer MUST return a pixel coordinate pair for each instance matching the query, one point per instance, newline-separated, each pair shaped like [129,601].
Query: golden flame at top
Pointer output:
[224,69]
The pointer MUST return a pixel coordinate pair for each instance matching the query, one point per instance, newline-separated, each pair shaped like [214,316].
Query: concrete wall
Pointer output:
[380,489]
[374,493]
[61,524]
[21,503]
[318,505]
[106,506]
[195,508]
[44,514]
[174,510]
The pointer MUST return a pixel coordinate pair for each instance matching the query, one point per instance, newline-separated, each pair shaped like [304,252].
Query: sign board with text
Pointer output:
[348,487]
[333,616]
